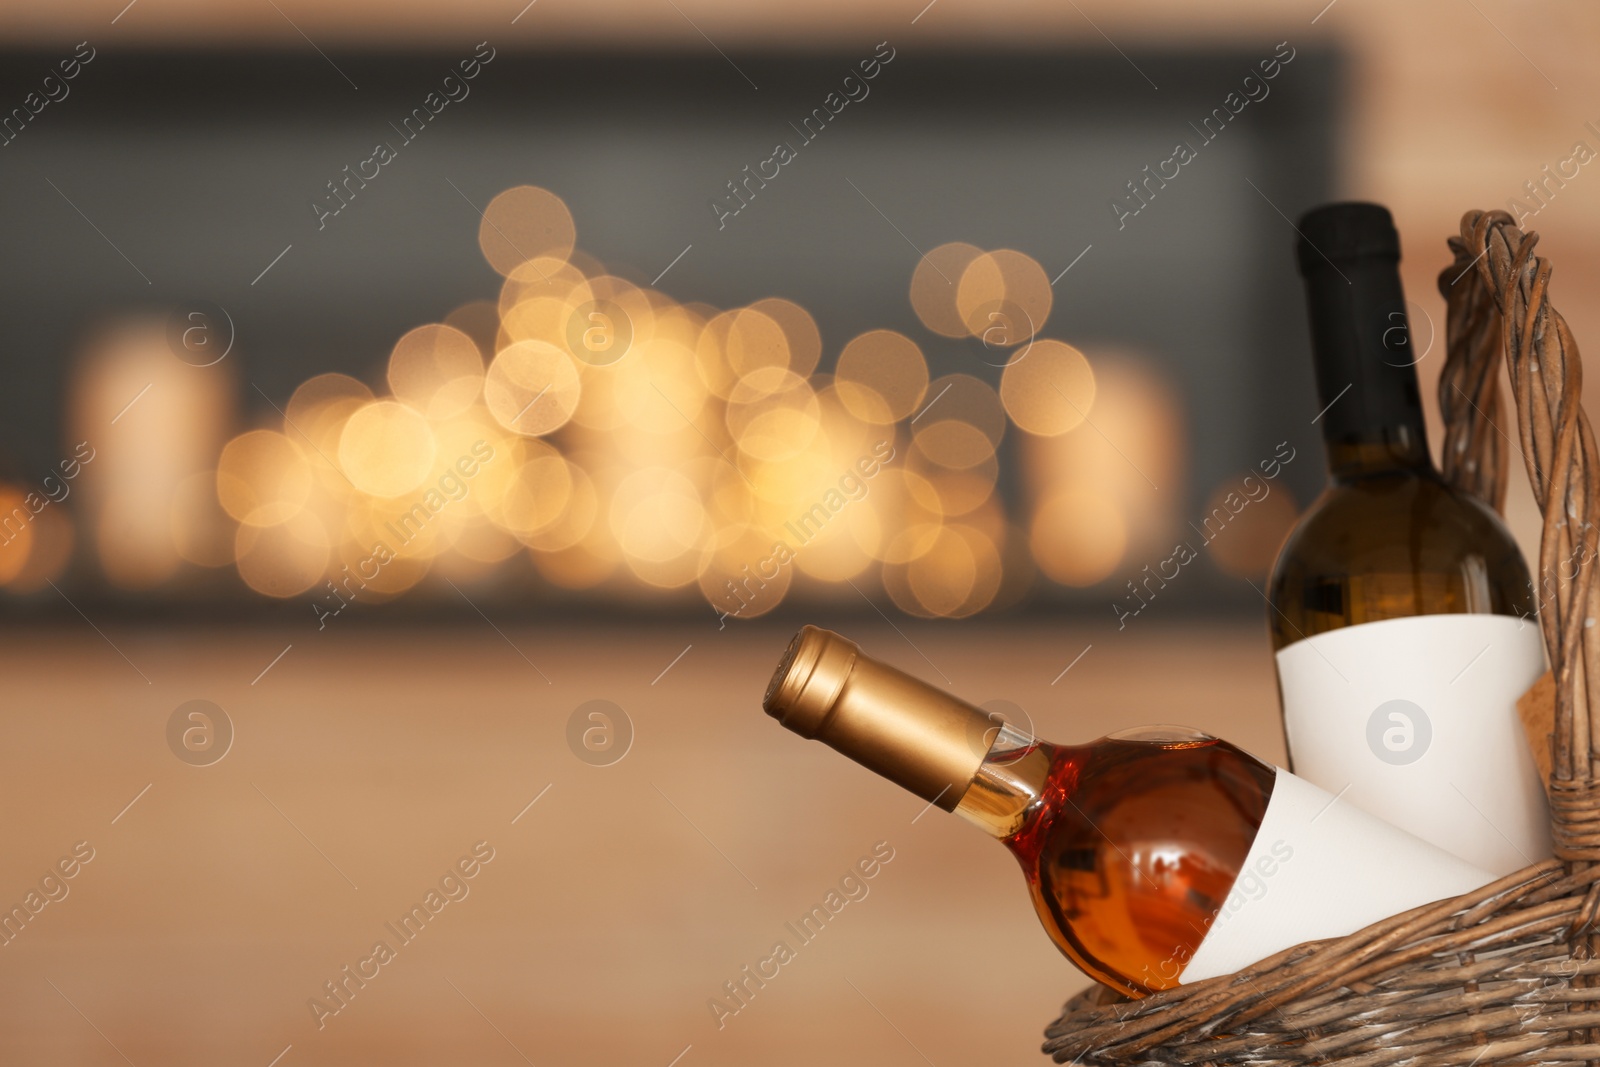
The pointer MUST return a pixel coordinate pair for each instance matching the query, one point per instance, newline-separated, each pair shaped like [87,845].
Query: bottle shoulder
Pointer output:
[1393,546]
[1137,843]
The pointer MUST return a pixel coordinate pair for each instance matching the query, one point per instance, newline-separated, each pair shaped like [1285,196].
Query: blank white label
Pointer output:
[1415,721]
[1321,868]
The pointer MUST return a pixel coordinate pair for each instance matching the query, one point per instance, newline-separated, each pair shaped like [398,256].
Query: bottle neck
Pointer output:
[1010,783]
[1371,406]
[910,732]
[1401,449]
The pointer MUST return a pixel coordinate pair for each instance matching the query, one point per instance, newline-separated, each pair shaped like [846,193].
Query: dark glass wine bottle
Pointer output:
[1402,612]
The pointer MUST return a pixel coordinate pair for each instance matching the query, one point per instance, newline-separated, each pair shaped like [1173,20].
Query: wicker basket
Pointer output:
[1507,974]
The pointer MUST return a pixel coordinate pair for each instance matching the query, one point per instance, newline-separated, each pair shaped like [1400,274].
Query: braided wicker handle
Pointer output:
[1498,296]
[1469,385]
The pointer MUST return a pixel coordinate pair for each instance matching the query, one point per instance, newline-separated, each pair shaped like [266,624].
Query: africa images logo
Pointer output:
[1399,732]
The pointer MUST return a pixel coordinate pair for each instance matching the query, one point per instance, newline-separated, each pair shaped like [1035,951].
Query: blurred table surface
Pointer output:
[367,761]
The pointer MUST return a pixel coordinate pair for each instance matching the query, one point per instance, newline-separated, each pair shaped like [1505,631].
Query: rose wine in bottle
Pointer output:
[1402,614]
[1154,856]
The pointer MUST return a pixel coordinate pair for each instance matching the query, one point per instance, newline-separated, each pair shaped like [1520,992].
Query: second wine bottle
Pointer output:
[1402,614]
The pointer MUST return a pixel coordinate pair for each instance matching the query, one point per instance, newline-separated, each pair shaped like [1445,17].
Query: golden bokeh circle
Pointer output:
[436,369]
[544,318]
[848,437]
[773,414]
[407,525]
[1003,297]
[953,443]
[1049,391]
[746,575]
[284,559]
[934,286]
[963,398]
[832,554]
[19,544]
[532,388]
[601,330]
[672,573]
[799,331]
[990,570]
[656,515]
[661,393]
[322,397]
[961,491]
[754,341]
[902,517]
[541,277]
[263,478]
[315,417]
[618,394]
[942,576]
[538,493]
[711,356]
[523,223]
[386,448]
[576,519]
[49,553]
[881,376]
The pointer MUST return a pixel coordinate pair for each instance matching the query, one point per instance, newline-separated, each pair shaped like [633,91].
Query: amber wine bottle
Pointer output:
[1154,856]
[1402,614]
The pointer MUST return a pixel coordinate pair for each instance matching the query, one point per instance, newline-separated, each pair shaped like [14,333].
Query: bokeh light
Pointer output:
[1003,298]
[963,398]
[524,223]
[48,553]
[881,376]
[169,419]
[1050,390]
[583,431]
[532,387]
[1246,519]
[1079,536]
[934,285]
[799,331]
[773,414]
[437,370]
[385,449]
[18,533]
[285,559]
[752,340]
[1123,465]
[262,478]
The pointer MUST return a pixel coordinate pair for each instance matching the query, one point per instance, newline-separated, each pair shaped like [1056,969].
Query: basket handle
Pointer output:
[1497,292]
[1474,458]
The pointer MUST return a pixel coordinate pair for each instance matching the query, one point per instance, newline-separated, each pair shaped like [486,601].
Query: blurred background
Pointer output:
[673,340]
[424,428]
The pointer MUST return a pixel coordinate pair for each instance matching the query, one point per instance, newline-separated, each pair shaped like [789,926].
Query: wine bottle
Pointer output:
[1154,856]
[1402,614]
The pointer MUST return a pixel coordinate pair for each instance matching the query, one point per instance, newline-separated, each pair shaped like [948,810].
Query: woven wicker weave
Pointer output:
[1506,974]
